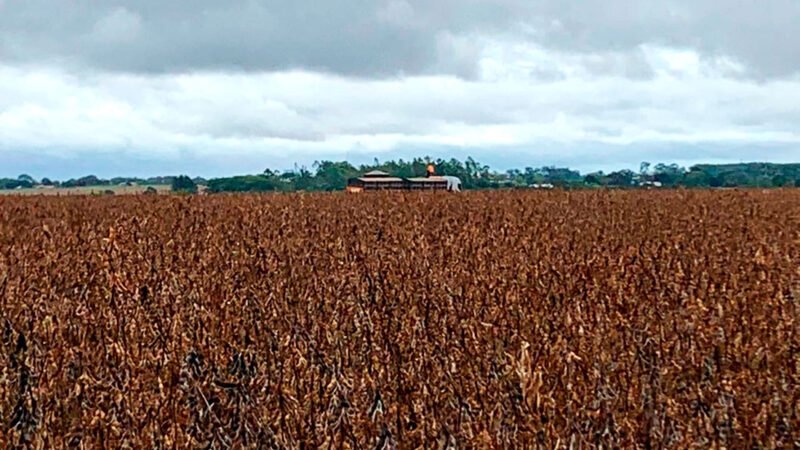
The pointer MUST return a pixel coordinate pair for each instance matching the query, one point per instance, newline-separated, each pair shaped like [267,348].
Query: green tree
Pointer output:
[736,179]
[779,180]
[184,184]
[333,176]
[89,180]
[250,183]
[621,178]
[8,183]
[560,175]
[303,180]
[669,174]
[593,178]
[27,179]
[696,178]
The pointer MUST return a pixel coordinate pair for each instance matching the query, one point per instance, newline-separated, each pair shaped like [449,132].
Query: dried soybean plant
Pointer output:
[605,319]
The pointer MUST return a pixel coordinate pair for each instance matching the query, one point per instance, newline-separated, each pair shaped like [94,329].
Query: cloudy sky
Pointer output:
[211,88]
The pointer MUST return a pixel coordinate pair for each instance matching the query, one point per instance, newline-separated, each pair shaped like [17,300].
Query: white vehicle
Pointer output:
[453,183]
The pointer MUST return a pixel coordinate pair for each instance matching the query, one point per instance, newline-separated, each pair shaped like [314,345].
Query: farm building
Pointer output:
[376,174]
[433,183]
[377,181]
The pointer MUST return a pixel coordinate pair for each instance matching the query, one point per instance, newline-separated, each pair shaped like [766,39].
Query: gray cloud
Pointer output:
[276,113]
[357,37]
[758,34]
[369,38]
[215,87]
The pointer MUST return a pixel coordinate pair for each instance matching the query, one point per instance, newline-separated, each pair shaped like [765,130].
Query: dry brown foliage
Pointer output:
[402,320]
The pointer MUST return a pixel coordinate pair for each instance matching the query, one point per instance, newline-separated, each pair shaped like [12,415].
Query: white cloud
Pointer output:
[510,105]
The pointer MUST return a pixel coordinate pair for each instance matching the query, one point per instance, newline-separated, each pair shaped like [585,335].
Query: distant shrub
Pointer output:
[184,184]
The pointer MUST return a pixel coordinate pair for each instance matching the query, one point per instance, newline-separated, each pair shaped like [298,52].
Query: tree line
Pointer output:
[25,181]
[333,176]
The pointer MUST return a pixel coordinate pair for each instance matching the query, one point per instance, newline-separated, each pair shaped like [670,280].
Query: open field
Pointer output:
[86,190]
[652,319]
